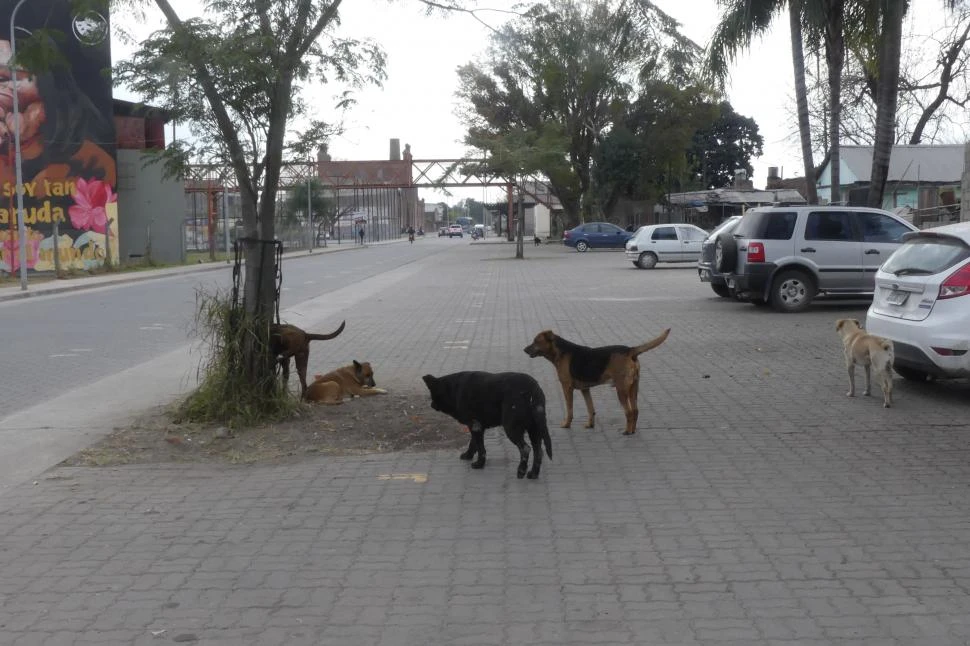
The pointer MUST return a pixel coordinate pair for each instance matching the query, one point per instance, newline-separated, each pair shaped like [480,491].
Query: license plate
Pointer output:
[897,297]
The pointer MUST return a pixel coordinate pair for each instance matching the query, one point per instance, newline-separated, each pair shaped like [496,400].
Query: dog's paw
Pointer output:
[378,391]
[479,463]
[850,394]
[520,474]
[467,455]
[533,475]
[565,424]
[867,393]
[633,432]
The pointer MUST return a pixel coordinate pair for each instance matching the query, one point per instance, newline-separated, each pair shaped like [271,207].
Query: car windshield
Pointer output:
[926,255]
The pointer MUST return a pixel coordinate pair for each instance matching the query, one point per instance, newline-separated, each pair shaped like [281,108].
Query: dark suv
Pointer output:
[786,255]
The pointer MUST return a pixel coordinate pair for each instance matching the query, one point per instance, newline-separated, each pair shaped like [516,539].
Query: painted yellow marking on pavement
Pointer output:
[420,478]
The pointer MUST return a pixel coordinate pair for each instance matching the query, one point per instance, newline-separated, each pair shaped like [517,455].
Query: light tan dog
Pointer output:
[355,380]
[872,352]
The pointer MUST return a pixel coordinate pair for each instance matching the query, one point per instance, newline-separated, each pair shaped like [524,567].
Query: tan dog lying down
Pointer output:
[872,352]
[355,380]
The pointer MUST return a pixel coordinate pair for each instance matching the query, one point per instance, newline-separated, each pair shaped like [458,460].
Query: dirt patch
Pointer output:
[384,423]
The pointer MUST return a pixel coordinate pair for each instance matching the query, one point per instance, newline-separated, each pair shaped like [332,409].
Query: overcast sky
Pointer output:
[417,102]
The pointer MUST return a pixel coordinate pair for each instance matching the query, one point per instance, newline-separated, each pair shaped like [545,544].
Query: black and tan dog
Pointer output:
[580,368]
[287,341]
[481,400]
[355,380]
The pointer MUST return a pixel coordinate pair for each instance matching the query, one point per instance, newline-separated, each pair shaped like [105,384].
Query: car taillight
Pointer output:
[565,234]
[957,283]
[756,252]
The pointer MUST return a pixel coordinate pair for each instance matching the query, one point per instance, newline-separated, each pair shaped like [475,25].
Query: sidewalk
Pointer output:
[117,278]
[757,505]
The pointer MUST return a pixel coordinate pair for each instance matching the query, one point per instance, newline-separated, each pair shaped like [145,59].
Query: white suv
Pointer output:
[922,303]
[786,255]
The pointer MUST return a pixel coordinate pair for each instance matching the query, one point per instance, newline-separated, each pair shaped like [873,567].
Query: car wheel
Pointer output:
[721,290]
[647,260]
[792,291]
[582,246]
[725,254]
[910,374]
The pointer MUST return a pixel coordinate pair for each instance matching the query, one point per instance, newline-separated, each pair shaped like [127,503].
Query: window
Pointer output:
[829,225]
[664,233]
[778,225]
[877,227]
[690,233]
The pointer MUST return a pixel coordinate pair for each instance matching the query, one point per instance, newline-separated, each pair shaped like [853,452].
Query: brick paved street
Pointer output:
[756,504]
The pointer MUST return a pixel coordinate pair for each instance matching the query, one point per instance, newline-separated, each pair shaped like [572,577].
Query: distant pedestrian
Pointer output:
[360,234]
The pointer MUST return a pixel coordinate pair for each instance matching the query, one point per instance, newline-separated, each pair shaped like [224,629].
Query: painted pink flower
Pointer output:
[90,198]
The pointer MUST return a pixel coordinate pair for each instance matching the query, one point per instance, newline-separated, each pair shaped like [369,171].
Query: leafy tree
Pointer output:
[645,152]
[726,145]
[235,74]
[548,89]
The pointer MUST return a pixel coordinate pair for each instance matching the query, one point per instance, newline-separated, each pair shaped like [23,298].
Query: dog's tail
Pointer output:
[890,356]
[539,413]
[649,345]
[326,337]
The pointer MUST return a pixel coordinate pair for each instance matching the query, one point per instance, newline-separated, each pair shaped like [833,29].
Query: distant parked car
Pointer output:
[442,232]
[706,266]
[922,303]
[665,243]
[596,235]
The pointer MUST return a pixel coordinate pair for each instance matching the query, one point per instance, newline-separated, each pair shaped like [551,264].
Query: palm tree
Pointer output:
[889,26]
[741,22]
[801,98]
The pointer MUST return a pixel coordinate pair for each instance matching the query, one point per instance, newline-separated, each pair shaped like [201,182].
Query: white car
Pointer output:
[665,243]
[922,303]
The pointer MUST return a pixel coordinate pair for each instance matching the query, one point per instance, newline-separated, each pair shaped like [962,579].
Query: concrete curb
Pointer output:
[91,282]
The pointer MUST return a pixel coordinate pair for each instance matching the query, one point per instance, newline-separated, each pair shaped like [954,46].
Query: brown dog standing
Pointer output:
[287,341]
[355,380]
[871,352]
[580,368]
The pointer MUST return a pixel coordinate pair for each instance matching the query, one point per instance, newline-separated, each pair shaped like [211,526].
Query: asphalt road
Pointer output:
[53,344]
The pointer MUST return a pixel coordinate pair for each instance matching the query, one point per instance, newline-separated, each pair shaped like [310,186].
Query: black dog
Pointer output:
[537,240]
[482,400]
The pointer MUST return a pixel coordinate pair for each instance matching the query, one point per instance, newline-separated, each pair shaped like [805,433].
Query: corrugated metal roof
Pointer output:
[737,196]
[921,162]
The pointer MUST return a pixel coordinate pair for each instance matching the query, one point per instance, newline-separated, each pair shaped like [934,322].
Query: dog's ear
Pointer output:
[356,365]
[856,321]
[839,324]
[429,380]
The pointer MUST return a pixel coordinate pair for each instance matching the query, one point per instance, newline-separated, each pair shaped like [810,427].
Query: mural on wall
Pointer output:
[67,142]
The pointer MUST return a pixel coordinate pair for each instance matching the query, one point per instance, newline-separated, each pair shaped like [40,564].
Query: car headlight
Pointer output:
[631,247]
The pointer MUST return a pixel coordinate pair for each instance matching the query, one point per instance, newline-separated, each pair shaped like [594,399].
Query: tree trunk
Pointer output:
[835,57]
[801,99]
[519,228]
[890,47]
